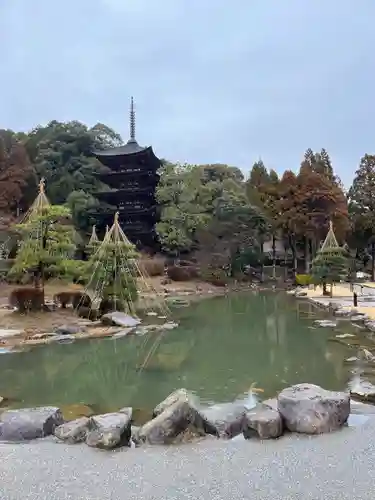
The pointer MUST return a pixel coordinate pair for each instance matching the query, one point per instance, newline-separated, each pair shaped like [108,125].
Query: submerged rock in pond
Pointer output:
[263,422]
[74,431]
[358,317]
[325,323]
[120,319]
[179,302]
[344,313]
[227,418]
[141,416]
[170,325]
[110,430]
[122,333]
[370,325]
[29,423]
[64,339]
[309,409]
[74,411]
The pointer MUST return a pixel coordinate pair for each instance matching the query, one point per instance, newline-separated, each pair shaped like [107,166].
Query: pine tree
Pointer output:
[330,264]
[112,272]
[362,205]
[47,245]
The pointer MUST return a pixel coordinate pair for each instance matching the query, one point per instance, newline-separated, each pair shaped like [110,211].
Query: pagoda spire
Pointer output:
[132,119]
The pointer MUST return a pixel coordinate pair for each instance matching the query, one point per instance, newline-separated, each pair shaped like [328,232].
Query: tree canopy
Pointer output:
[211,208]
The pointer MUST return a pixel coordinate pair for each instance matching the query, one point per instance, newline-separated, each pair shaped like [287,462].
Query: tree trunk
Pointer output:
[324,288]
[307,255]
[39,282]
[294,252]
[273,257]
[373,261]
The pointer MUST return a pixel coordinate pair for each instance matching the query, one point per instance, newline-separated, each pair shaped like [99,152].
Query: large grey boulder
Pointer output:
[177,395]
[271,403]
[227,418]
[264,422]
[74,431]
[309,409]
[110,430]
[173,421]
[120,319]
[29,423]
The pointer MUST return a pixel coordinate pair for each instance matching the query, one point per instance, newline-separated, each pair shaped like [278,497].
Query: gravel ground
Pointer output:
[337,466]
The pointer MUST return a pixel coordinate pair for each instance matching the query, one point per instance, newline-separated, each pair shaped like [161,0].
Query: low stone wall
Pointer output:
[303,408]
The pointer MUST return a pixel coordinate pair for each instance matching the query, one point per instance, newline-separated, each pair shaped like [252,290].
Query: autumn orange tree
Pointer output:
[17,176]
[308,201]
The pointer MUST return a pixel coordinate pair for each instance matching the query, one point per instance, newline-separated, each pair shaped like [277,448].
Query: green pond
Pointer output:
[222,346]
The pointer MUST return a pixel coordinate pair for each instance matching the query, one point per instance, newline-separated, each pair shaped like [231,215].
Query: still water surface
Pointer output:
[222,346]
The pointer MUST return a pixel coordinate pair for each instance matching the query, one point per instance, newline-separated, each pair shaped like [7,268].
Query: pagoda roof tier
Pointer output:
[131,152]
[136,211]
[131,194]
[136,172]
[130,148]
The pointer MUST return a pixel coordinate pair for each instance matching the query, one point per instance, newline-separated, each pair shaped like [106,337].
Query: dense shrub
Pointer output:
[186,263]
[216,277]
[111,304]
[151,267]
[88,313]
[77,299]
[304,279]
[182,273]
[27,299]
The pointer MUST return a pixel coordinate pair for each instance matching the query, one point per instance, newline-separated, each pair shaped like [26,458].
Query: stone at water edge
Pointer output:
[29,423]
[68,329]
[271,403]
[362,390]
[264,422]
[310,409]
[177,395]
[110,430]
[172,422]
[119,319]
[74,431]
[227,418]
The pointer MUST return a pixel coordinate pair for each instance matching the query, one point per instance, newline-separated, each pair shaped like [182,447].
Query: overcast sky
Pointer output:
[213,80]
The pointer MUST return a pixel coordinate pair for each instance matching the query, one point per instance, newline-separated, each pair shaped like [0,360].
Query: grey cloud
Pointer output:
[213,81]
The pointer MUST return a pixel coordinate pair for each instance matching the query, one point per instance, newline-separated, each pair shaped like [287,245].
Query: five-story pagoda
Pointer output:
[132,176]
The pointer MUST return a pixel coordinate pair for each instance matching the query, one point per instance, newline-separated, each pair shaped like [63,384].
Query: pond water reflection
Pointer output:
[222,346]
